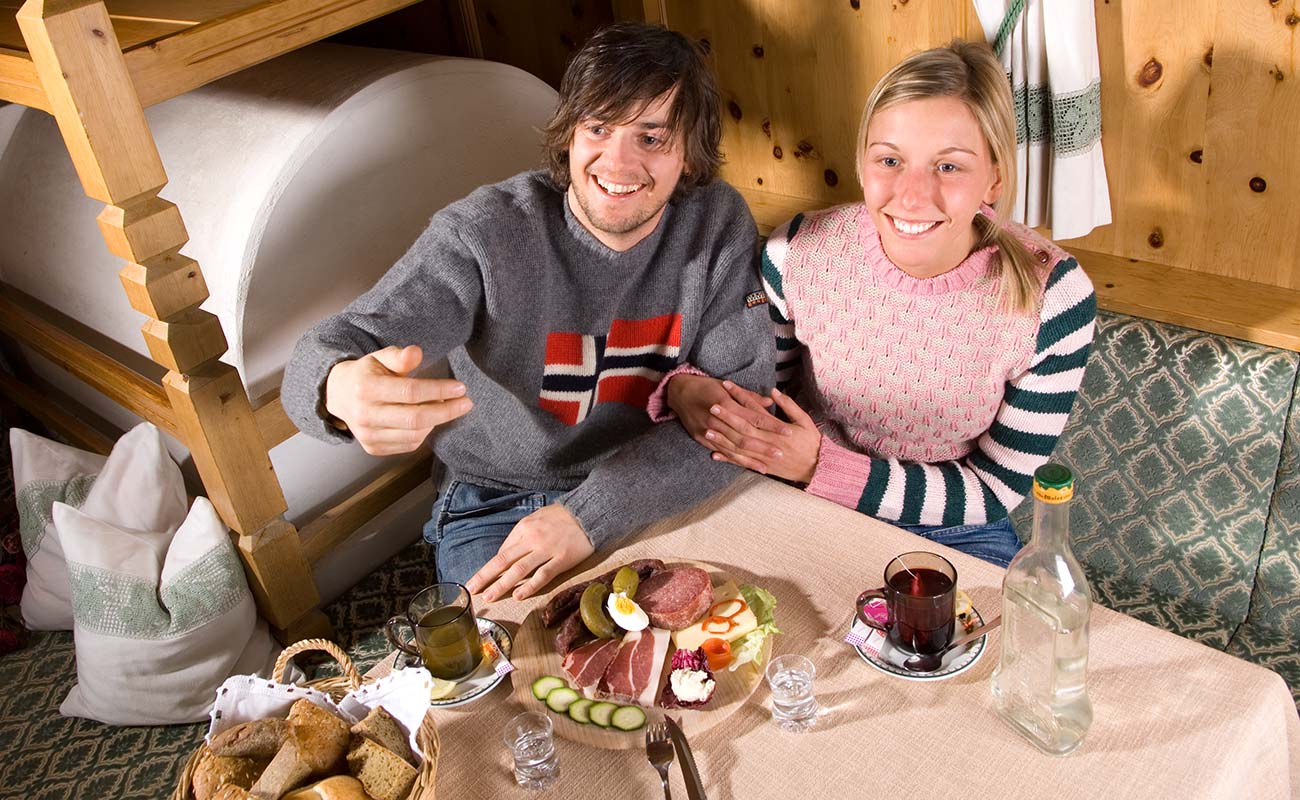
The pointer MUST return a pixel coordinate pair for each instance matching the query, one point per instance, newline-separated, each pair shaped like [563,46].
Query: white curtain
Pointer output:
[1049,51]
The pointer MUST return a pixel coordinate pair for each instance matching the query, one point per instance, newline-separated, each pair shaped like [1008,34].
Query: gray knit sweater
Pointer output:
[559,341]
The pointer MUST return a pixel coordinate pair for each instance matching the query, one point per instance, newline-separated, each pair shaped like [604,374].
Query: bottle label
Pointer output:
[1049,495]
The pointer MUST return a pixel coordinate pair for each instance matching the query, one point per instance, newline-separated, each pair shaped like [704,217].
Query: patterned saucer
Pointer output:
[880,653]
[491,672]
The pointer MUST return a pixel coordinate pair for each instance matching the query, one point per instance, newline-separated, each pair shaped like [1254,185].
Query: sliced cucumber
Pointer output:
[559,700]
[628,718]
[545,684]
[578,711]
[600,713]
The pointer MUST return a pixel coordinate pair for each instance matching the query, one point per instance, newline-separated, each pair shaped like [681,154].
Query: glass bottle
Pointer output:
[1039,687]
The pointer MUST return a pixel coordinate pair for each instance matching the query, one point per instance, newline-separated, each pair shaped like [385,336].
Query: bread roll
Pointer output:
[383,773]
[259,738]
[315,745]
[339,787]
[214,772]
[382,728]
[231,792]
[322,737]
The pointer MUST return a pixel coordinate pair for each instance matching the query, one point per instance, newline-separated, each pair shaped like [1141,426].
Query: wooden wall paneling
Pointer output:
[539,36]
[1251,145]
[794,78]
[1155,85]
[436,27]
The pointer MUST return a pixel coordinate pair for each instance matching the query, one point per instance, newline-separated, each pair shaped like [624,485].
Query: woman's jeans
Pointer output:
[470,522]
[994,542]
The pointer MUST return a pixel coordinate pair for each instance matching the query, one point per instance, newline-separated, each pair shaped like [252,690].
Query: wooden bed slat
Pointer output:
[334,526]
[18,80]
[112,369]
[60,414]
[275,425]
[203,53]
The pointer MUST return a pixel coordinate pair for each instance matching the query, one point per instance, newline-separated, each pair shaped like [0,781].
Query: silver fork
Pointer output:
[659,750]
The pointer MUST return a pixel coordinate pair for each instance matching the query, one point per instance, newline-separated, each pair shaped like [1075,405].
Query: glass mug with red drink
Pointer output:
[920,595]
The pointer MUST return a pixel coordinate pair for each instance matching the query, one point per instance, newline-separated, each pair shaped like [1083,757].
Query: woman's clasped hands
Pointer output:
[735,423]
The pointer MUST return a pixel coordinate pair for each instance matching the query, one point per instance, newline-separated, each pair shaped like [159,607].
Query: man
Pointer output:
[560,298]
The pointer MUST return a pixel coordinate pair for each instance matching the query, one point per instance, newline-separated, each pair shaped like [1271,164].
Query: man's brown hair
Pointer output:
[621,69]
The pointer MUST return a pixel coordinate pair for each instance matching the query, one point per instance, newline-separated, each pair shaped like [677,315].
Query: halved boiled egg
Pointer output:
[626,613]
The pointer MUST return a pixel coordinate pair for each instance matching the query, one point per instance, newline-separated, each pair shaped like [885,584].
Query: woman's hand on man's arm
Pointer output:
[698,400]
[789,452]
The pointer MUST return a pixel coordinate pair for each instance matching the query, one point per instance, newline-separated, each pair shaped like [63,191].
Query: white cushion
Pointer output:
[161,619]
[138,486]
[46,472]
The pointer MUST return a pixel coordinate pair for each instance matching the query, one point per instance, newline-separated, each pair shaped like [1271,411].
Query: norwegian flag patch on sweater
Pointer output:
[623,366]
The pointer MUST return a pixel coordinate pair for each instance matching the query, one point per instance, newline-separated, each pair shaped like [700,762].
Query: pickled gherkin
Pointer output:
[592,608]
[626,581]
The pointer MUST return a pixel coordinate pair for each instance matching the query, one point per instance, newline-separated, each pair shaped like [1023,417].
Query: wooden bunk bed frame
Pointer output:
[95,66]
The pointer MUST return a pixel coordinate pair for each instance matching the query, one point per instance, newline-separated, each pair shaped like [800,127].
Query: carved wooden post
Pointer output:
[80,64]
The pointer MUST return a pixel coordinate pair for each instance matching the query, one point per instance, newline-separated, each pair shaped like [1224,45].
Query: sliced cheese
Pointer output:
[690,638]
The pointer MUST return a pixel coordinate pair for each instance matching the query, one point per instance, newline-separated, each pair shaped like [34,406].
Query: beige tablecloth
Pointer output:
[1172,718]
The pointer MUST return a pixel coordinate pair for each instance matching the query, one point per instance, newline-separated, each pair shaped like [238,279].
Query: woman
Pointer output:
[934,347]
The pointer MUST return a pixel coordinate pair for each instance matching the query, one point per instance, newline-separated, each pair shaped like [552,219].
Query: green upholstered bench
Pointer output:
[1186,450]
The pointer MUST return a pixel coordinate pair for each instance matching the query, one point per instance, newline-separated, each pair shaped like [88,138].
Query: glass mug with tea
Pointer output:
[445,631]
[920,595]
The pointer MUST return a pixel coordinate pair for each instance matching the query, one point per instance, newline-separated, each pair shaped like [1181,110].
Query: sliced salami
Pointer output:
[676,598]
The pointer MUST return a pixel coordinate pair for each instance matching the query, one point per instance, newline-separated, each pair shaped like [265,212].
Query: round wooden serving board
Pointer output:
[535,656]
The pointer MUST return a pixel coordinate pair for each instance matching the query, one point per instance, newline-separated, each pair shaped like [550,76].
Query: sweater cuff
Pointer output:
[657,405]
[600,526]
[840,475]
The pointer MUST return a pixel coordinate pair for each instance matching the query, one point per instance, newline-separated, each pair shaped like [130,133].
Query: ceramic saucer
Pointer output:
[483,679]
[889,659]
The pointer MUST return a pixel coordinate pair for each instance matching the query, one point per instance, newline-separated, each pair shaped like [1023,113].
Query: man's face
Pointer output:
[622,174]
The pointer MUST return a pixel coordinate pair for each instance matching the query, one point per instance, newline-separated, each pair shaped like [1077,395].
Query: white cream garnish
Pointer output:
[691,685]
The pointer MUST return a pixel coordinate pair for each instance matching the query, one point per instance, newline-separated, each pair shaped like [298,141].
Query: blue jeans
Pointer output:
[470,522]
[994,542]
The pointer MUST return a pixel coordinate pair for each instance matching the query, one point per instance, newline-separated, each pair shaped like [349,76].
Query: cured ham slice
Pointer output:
[586,665]
[634,673]
[676,598]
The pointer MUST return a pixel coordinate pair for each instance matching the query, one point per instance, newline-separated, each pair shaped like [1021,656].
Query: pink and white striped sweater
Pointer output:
[935,408]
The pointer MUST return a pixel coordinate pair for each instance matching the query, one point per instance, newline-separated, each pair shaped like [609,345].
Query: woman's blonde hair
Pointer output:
[970,72]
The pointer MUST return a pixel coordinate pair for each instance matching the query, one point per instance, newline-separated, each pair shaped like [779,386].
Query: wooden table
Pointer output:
[1172,718]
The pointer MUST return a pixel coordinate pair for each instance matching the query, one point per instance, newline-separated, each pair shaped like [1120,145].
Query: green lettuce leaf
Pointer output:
[763,604]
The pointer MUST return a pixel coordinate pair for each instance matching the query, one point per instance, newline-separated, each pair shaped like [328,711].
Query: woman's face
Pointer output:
[925,171]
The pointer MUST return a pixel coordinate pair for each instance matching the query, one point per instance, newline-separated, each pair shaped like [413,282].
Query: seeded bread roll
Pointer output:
[215,772]
[259,738]
[382,728]
[382,772]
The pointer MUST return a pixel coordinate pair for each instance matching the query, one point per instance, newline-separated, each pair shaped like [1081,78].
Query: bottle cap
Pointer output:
[1053,483]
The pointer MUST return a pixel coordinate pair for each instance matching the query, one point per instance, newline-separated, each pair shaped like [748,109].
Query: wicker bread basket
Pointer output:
[335,687]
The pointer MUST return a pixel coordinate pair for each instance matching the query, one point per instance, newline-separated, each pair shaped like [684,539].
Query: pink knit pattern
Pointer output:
[900,367]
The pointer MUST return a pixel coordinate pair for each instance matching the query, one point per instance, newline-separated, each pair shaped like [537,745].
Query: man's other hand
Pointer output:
[388,412]
[542,545]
